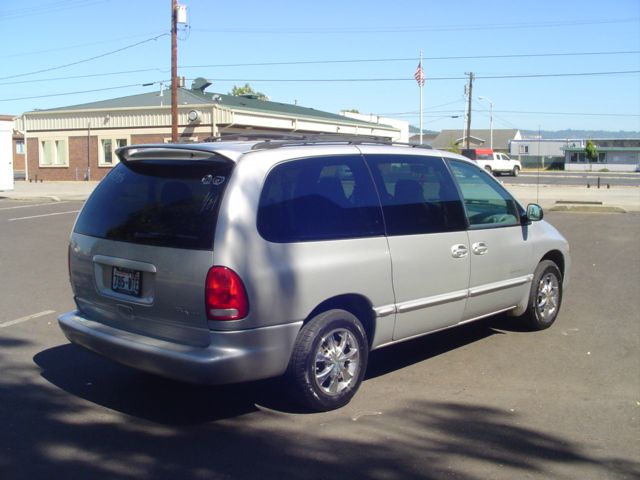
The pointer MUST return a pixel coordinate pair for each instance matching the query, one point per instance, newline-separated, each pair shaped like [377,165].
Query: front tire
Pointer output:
[545,297]
[329,360]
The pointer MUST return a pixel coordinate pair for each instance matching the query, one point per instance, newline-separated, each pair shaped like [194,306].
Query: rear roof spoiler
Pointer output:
[167,152]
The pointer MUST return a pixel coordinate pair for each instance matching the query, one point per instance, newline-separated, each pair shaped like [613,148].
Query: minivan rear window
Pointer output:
[162,203]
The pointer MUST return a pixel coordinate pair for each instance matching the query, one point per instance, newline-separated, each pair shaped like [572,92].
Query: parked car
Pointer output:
[494,162]
[241,260]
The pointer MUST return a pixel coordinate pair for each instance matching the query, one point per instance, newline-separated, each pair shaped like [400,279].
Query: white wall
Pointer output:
[6,155]
[542,148]
[596,167]
[401,125]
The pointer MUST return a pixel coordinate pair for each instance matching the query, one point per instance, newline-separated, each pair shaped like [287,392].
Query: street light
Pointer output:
[490,119]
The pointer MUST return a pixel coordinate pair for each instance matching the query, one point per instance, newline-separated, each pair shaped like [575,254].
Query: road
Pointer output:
[488,400]
[577,178]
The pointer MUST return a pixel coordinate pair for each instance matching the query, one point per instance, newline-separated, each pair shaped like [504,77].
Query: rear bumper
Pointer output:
[230,357]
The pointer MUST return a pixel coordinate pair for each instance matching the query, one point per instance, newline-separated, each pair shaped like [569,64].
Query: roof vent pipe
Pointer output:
[200,84]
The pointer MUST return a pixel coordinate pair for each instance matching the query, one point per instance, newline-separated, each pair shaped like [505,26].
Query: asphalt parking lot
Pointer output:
[488,400]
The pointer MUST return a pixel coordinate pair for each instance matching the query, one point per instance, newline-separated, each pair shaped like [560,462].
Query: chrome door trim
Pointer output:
[494,287]
[384,311]
[393,342]
[420,303]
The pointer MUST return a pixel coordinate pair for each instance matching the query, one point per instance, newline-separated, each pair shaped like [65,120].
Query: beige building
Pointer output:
[78,142]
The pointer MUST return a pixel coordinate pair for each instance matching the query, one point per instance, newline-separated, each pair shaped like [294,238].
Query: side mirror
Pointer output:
[534,212]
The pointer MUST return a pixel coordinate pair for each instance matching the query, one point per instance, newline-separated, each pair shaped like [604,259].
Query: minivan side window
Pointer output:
[417,194]
[321,198]
[487,204]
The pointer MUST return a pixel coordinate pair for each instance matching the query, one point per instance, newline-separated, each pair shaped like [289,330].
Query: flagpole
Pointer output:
[421,83]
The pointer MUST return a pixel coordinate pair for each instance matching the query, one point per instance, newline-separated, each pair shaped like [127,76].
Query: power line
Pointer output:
[411,59]
[379,60]
[335,80]
[92,75]
[411,79]
[83,91]
[80,45]
[570,113]
[86,59]
[47,8]
[445,113]
[411,29]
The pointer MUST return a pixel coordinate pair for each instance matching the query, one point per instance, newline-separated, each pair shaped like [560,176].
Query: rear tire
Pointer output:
[489,170]
[329,360]
[545,297]
[516,171]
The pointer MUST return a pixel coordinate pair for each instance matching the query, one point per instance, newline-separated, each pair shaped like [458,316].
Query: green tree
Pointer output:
[247,90]
[591,152]
[352,110]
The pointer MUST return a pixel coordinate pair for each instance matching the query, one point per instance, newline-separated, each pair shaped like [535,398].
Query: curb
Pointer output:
[44,198]
[587,209]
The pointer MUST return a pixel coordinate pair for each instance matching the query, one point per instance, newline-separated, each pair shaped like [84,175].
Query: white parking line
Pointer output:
[32,205]
[24,319]
[45,215]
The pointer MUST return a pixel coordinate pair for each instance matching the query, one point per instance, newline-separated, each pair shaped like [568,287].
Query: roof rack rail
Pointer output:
[247,137]
[276,140]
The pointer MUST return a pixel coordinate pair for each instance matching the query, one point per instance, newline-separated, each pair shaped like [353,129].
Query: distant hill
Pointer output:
[561,134]
[414,130]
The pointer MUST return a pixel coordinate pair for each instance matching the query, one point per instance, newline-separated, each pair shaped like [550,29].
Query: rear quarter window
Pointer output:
[163,203]
[324,198]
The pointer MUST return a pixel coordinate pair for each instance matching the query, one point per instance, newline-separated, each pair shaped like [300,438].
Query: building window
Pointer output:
[524,148]
[108,146]
[54,153]
[20,147]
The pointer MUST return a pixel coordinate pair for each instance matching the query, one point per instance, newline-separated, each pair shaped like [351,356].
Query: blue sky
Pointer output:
[223,38]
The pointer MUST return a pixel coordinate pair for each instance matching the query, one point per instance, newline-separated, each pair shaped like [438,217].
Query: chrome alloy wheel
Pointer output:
[337,362]
[548,297]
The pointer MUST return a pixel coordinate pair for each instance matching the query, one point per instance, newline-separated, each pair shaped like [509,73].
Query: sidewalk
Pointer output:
[578,198]
[49,191]
[549,197]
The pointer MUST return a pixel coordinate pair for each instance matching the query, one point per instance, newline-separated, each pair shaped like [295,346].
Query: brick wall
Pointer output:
[78,166]
[77,169]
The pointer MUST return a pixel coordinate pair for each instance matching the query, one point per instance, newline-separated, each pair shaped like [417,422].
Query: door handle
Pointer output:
[459,251]
[479,248]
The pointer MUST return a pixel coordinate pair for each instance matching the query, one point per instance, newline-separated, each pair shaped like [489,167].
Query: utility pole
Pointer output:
[470,93]
[88,150]
[174,71]
[490,119]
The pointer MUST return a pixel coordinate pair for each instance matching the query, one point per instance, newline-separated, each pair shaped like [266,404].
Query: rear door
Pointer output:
[425,227]
[142,246]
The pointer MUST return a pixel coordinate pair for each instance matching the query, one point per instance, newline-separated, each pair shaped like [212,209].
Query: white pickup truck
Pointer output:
[494,162]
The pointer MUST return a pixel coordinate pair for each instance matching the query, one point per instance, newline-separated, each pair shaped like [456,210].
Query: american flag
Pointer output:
[419,75]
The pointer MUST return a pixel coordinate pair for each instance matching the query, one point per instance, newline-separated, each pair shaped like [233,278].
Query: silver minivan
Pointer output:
[234,261]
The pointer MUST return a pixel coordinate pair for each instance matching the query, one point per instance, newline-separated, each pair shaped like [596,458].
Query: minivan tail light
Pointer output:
[225,295]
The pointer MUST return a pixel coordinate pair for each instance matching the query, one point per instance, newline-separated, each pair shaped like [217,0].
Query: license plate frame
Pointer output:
[126,281]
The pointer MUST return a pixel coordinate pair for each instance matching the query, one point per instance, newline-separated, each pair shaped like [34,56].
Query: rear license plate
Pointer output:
[126,281]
